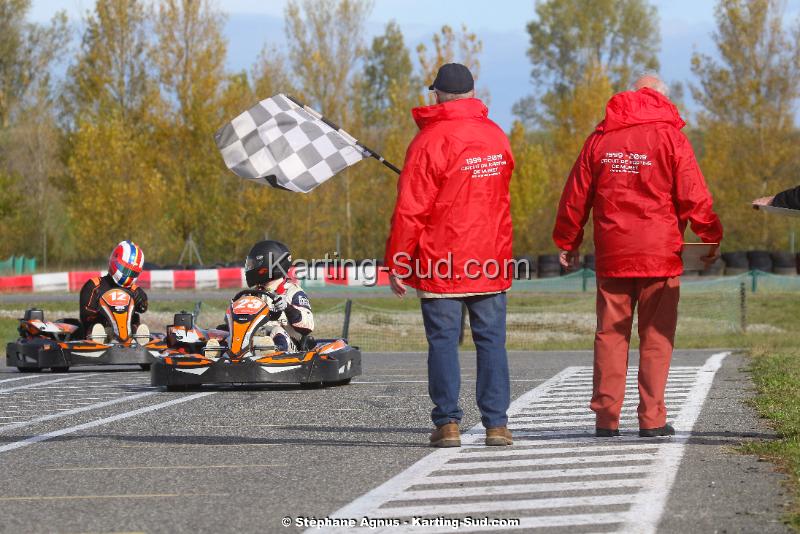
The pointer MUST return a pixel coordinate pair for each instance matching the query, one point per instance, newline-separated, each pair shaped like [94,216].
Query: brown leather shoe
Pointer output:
[499,436]
[446,435]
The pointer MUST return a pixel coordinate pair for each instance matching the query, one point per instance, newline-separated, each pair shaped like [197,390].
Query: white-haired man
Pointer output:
[638,174]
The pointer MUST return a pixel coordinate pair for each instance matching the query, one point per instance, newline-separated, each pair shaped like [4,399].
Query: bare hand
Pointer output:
[570,259]
[763,201]
[712,256]
[398,287]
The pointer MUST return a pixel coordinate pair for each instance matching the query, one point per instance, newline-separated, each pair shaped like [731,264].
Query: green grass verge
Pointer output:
[776,373]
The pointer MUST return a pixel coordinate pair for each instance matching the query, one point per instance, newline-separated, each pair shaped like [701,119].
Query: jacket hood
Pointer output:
[465,108]
[639,107]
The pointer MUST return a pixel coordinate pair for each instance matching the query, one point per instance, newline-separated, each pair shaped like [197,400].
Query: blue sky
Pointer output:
[686,26]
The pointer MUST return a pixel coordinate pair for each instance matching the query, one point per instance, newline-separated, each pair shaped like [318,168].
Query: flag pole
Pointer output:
[371,153]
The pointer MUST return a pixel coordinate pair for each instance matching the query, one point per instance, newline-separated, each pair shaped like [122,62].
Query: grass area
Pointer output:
[536,321]
[776,373]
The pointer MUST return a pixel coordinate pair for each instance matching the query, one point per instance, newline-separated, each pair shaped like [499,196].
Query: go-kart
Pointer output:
[58,345]
[245,354]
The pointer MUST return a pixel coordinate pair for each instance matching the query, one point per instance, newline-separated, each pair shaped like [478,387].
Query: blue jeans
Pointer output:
[487,317]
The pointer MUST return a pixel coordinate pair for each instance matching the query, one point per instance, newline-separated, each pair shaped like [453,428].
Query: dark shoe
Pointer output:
[665,430]
[446,435]
[498,437]
[606,432]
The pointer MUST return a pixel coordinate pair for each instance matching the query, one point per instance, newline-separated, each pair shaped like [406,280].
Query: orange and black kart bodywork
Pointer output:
[330,362]
[44,344]
[195,356]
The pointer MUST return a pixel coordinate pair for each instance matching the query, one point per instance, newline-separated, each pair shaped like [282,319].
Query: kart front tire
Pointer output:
[29,369]
[59,369]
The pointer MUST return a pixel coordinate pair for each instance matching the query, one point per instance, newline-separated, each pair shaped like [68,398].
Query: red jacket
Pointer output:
[453,203]
[637,171]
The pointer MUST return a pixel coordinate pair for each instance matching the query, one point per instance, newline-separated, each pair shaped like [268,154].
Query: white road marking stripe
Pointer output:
[501,506]
[646,514]
[648,461]
[72,411]
[99,422]
[526,523]
[26,377]
[632,470]
[38,384]
[501,464]
[523,450]
[510,489]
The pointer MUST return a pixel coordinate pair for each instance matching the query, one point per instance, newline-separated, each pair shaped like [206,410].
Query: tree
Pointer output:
[27,52]
[386,76]
[189,56]
[325,45]
[570,37]
[748,102]
[111,72]
[581,53]
[387,90]
[29,138]
[444,51]
[113,186]
[531,193]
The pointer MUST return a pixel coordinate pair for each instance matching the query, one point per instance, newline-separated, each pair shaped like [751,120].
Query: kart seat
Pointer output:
[33,315]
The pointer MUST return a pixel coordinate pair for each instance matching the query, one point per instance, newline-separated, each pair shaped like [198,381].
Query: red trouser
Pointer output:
[617,298]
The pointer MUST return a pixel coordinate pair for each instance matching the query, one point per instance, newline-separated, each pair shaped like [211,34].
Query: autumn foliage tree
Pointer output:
[114,187]
[748,99]
[581,53]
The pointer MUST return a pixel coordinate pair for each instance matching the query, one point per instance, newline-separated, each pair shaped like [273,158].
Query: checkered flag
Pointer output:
[283,144]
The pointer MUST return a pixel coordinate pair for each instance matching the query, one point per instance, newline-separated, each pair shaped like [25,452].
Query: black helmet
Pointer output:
[266,261]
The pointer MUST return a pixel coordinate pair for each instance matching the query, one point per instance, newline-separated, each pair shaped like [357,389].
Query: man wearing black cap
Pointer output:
[451,241]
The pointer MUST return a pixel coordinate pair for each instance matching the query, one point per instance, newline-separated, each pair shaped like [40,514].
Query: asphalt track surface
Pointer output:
[102,451]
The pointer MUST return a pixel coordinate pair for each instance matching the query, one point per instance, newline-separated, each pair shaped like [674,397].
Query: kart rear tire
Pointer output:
[145,366]
[29,369]
[59,369]
[312,385]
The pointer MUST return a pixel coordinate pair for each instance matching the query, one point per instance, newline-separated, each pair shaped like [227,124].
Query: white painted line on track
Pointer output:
[510,489]
[72,411]
[538,474]
[39,384]
[98,422]
[619,483]
[26,377]
[501,506]
[646,514]
[577,460]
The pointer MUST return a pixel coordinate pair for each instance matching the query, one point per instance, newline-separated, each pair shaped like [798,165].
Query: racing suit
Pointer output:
[93,290]
[286,328]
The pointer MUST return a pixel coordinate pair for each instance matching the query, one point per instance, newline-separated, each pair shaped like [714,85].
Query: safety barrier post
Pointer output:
[743,306]
[348,307]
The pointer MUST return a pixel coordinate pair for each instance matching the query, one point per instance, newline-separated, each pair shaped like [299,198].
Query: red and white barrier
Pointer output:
[224,278]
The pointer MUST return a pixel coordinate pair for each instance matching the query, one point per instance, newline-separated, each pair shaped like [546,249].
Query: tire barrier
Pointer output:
[735,263]
[784,263]
[549,266]
[759,260]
